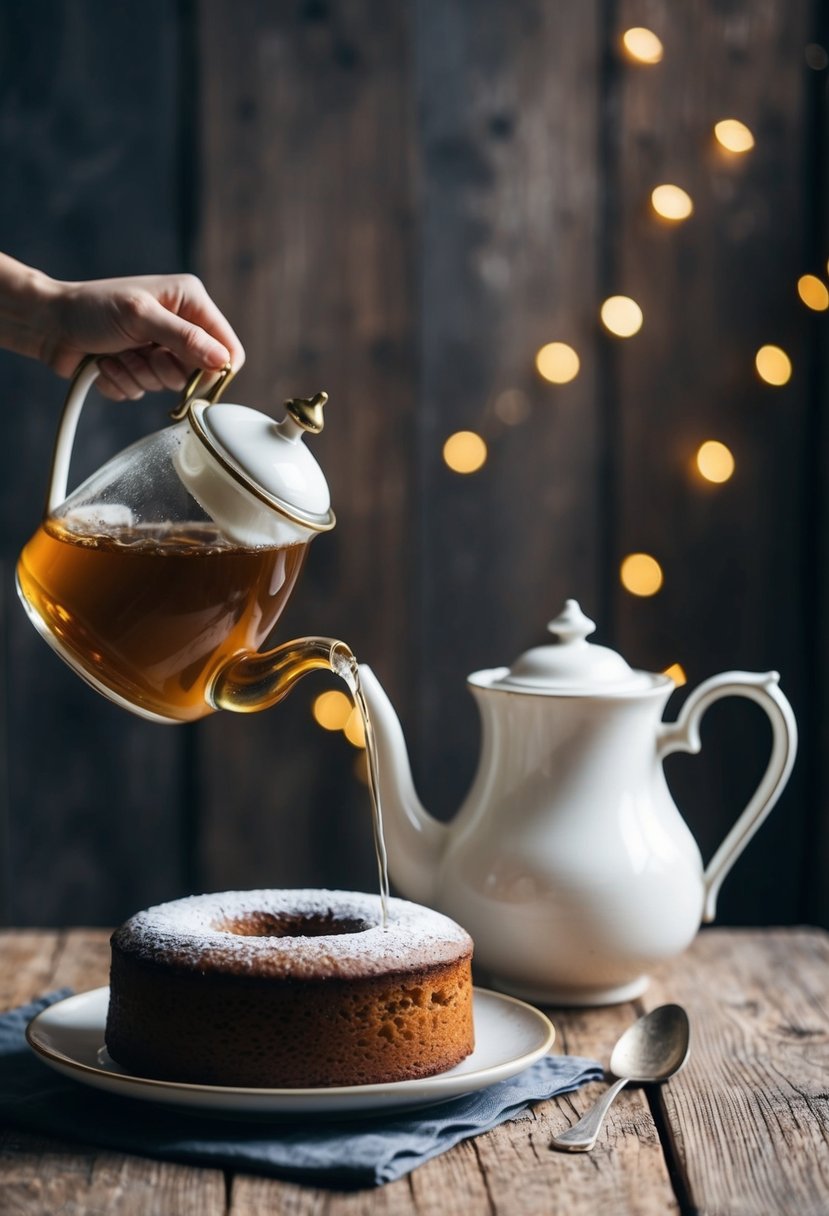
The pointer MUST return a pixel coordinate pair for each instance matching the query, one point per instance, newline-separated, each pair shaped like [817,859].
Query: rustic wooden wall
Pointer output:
[401,203]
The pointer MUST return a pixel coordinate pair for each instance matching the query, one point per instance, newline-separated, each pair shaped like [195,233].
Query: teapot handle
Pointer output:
[85,376]
[86,373]
[683,736]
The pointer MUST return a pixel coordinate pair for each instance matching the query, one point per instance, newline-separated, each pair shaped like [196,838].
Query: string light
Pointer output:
[332,710]
[557,362]
[622,316]
[641,574]
[773,365]
[715,461]
[354,730]
[642,45]
[671,202]
[512,406]
[465,452]
[733,135]
[816,56]
[813,292]
[676,672]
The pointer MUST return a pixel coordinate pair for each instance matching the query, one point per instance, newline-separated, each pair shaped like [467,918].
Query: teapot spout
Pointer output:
[254,681]
[416,841]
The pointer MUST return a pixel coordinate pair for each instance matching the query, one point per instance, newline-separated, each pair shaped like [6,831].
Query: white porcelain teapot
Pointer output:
[568,862]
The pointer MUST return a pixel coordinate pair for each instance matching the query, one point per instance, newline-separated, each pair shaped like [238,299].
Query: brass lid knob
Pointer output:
[307,411]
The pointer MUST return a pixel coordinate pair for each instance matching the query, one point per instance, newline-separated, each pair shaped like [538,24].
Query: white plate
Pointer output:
[509,1036]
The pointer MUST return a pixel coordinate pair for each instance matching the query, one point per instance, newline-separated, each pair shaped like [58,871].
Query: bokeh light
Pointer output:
[773,365]
[622,316]
[557,362]
[733,135]
[676,672]
[332,710]
[813,292]
[641,574]
[512,406]
[642,45]
[465,452]
[671,202]
[816,56]
[715,461]
[354,730]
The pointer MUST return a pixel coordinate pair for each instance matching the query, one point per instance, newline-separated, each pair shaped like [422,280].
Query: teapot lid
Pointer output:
[231,448]
[569,664]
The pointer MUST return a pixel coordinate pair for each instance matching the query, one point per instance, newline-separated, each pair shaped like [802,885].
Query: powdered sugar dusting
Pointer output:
[189,933]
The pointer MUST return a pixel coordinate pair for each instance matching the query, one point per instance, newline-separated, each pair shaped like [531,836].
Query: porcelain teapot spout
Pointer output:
[568,860]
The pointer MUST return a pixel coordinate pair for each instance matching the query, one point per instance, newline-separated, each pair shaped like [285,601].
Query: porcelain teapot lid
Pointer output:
[569,664]
[254,476]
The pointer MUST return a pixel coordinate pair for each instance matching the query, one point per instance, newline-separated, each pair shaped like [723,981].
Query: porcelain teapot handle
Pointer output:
[683,736]
[85,376]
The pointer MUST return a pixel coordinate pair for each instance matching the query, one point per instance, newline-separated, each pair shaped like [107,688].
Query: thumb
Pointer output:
[152,322]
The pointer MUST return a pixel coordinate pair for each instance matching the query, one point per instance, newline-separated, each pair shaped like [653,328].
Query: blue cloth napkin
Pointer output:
[355,1153]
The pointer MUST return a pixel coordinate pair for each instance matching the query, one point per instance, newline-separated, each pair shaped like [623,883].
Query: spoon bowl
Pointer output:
[653,1049]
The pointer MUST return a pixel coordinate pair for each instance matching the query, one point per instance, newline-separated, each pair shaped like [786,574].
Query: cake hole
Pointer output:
[286,924]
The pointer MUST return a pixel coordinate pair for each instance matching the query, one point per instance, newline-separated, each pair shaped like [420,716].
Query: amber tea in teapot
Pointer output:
[152,611]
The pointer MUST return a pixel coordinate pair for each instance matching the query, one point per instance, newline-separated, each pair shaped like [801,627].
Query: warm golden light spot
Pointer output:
[676,672]
[641,574]
[816,56]
[671,202]
[464,452]
[715,461]
[353,729]
[773,365]
[622,316]
[813,292]
[642,45]
[332,710]
[733,135]
[512,406]
[557,362]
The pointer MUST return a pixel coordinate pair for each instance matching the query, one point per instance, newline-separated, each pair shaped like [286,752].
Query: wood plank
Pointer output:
[251,1196]
[89,143]
[713,290]
[41,1176]
[28,964]
[512,1164]
[509,256]
[626,1171]
[306,239]
[748,1114]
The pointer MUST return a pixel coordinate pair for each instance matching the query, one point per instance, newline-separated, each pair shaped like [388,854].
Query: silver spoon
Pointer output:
[652,1049]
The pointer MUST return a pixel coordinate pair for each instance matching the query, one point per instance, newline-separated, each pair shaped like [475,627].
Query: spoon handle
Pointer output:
[581,1137]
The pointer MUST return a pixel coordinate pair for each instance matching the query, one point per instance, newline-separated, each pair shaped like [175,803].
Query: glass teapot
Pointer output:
[159,577]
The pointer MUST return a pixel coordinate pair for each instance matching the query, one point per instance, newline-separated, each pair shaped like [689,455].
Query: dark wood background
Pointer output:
[401,202]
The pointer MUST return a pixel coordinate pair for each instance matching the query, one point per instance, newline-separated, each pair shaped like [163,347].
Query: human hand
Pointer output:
[152,331]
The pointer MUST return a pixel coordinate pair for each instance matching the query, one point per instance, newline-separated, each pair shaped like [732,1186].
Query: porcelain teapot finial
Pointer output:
[571,626]
[568,860]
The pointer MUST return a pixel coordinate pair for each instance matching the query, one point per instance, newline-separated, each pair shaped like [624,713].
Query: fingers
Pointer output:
[196,305]
[148,320]
[132,373]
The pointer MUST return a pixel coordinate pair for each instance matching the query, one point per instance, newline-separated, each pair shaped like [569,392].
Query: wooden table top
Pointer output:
[743,1129]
